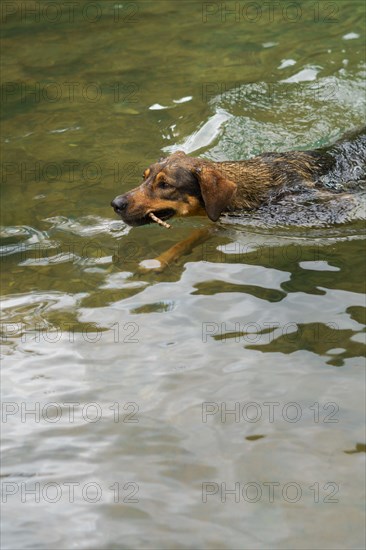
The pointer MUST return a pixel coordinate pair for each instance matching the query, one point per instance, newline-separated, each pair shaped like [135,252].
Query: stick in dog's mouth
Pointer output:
[159,221]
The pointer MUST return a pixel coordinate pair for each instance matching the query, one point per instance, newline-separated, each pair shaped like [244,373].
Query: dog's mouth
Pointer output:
[153,216]
[162,215]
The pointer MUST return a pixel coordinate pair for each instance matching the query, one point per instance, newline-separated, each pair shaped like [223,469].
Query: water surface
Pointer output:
[240,367]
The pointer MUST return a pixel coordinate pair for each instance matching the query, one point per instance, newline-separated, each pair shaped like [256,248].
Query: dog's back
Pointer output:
[349,160]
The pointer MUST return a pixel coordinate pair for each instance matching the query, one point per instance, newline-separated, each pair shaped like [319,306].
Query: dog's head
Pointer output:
[176,185]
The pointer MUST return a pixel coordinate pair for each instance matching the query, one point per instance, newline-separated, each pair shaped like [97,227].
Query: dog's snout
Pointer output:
[119,203]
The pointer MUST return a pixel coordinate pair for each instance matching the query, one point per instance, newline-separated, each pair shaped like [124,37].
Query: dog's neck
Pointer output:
[269,175]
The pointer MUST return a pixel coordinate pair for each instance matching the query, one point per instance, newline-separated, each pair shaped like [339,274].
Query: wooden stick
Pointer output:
[159,221]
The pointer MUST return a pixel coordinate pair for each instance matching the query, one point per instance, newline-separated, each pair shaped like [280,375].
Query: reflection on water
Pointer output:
[198,407]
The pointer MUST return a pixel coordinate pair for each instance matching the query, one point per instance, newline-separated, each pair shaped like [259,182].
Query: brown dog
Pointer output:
[187,186]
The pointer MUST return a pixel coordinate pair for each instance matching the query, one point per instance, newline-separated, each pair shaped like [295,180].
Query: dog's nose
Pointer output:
[119,203]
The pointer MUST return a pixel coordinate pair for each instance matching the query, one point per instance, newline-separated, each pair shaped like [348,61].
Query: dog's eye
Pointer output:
[163,185]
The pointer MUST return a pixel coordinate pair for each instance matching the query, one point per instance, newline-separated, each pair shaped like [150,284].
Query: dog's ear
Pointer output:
[216,190]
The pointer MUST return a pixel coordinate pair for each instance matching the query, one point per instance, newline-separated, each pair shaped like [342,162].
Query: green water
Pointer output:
[266,321]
